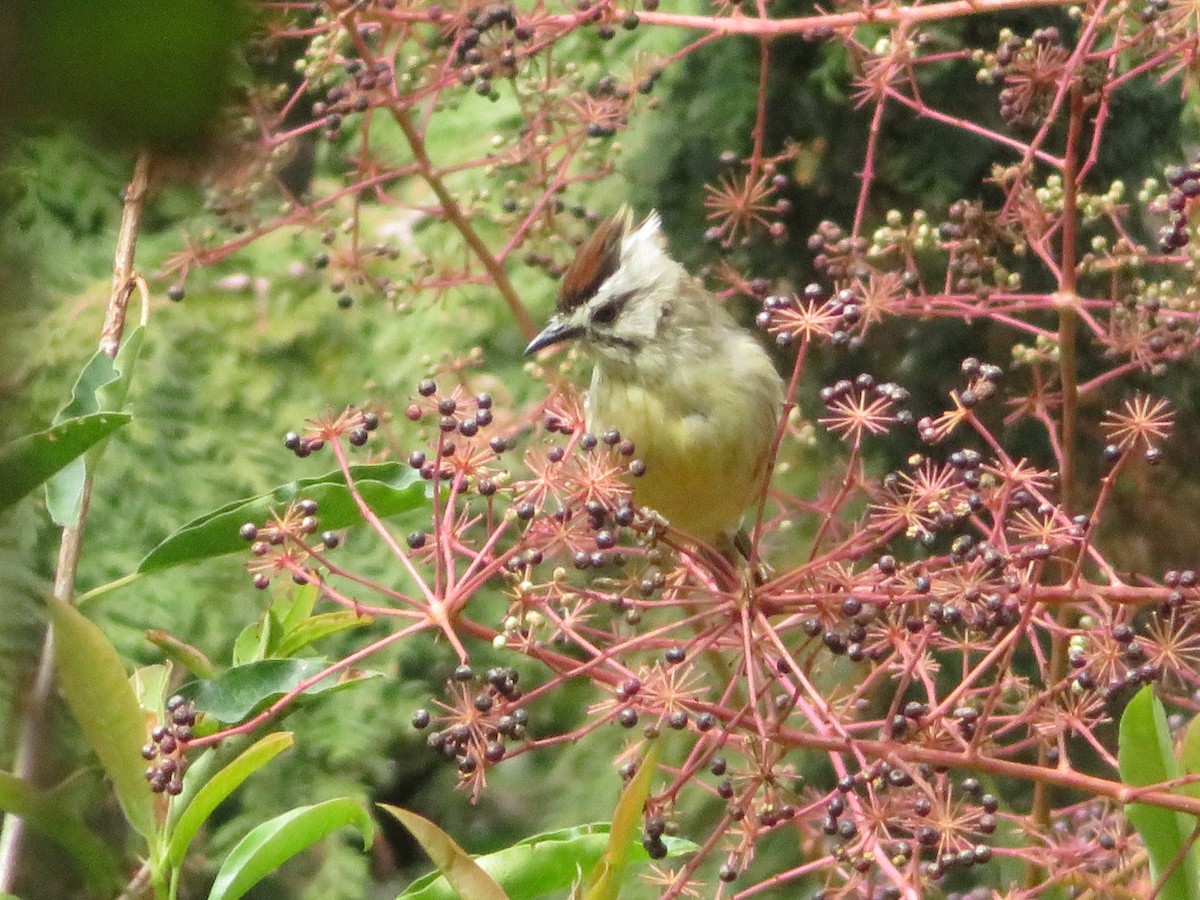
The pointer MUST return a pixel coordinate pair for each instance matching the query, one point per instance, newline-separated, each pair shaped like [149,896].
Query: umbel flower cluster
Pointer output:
[908,648]
[920,689]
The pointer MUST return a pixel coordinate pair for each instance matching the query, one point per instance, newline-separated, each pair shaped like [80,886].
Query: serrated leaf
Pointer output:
[1145,757]
[43,814]
[242,690]
[604,881]
[387,488]
[544,864]
[218,788]
[92,680]
[455,864]
[30,460]
[271,844]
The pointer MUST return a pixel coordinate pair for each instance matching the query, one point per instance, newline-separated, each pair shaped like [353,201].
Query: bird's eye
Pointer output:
[606,314]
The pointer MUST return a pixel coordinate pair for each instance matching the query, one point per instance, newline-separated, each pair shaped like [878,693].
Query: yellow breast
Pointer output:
[704,433]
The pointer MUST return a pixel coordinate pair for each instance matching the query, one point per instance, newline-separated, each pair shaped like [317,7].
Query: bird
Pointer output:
[674,373]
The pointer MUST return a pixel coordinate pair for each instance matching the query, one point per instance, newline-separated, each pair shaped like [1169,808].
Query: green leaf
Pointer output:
[103,382]
[101,387]
[201,770]
[92,680]
[218,788]
[112,394]
[242,690]
[97,373]
[64,492]
[150,687]
[1189,757]
[44,814]
[271,844]
[295,607]
[316,627]
[30,460]
[191,658]
[387,488]
[1145,757]
[252,643]
[460,871]
[604,882]
[543,864]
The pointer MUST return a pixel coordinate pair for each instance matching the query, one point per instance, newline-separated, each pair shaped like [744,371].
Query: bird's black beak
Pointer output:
[554,333]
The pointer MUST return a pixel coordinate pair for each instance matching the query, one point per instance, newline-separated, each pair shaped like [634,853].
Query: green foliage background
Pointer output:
[228,371]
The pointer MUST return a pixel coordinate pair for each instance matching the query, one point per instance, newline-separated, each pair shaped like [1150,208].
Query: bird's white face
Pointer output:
[617,293]
[674,374]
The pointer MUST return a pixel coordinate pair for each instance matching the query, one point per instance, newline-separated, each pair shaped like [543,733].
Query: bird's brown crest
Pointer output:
[595,262]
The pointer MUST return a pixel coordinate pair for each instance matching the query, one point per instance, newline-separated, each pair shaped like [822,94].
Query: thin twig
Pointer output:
[31,719]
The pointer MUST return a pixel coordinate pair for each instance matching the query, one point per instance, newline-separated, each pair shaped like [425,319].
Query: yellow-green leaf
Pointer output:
[463,873]
[219,787]
[92,680]
[1145,757]
[604,882]
[273,843]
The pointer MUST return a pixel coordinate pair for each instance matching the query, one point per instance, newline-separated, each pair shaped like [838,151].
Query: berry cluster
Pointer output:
[168,742]
[838,255]
[585,475]
[971,236]
[1179,581]
[849,636]
[812,314]
[1115,658]
[665,688]
[466,465]
[484,715]
[1184,182]
[350,271]
[606,112]
[270,547]
[1031,68]
[1142,421]
[863,406]
[1113,661]
[944,829]
[981,384]
[352,96]
[542,257]
[1149,332]
[487,45]
[356,424]
[456,413]
[746,200]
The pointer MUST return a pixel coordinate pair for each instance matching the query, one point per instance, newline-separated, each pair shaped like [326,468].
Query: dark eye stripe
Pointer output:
[607,312]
